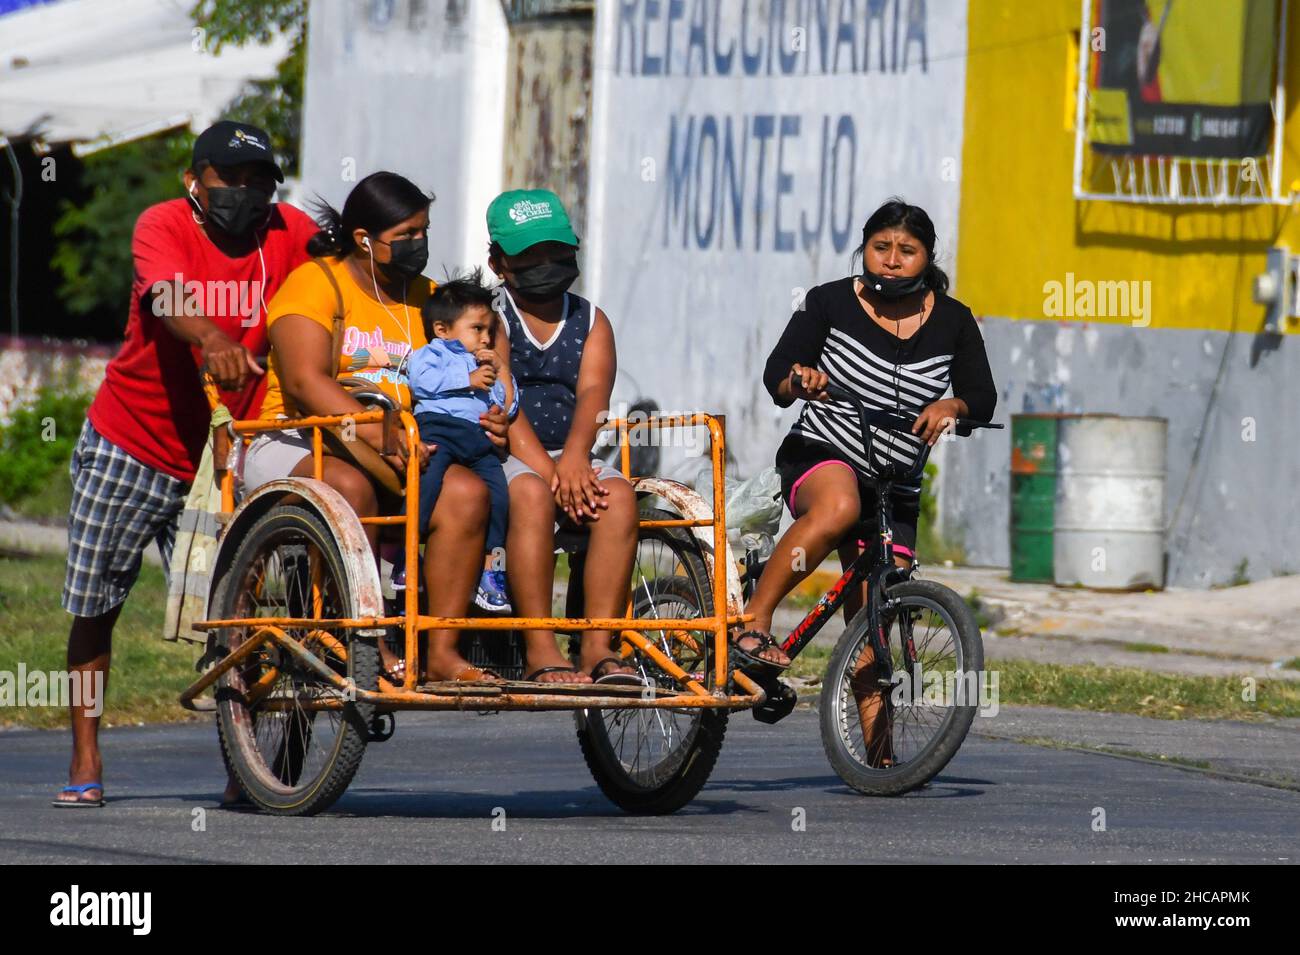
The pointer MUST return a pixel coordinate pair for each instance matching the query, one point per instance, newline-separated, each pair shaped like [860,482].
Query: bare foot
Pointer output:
[599,661]
[81,773]
[447,665]
[752,643]
[234,795]
[394,667]
[542,660]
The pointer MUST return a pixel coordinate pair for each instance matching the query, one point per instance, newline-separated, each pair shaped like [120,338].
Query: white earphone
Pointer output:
[197,211]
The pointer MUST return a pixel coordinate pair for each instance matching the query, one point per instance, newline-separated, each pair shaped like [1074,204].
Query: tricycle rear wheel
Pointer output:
[289,756]
[655,761]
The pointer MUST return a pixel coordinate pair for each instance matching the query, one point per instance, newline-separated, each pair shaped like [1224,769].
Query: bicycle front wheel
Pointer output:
[887,735]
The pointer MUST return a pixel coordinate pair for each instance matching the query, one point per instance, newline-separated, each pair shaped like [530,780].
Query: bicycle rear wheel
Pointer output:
[886,738]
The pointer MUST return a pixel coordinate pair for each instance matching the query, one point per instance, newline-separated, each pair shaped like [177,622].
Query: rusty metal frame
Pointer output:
[705,520]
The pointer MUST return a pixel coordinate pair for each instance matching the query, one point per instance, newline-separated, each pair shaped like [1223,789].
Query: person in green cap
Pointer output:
[560,348]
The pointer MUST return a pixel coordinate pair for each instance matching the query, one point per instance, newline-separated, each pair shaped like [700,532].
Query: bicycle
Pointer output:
[890,654]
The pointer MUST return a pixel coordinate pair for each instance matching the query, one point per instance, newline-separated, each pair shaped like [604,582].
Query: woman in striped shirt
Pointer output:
[895,339]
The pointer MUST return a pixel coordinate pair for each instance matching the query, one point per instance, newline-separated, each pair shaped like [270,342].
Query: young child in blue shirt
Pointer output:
[453,380]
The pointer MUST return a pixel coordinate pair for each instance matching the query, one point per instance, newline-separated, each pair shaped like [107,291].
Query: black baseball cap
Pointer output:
[228,143]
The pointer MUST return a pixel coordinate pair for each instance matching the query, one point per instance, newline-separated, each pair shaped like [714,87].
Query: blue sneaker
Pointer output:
[491,594]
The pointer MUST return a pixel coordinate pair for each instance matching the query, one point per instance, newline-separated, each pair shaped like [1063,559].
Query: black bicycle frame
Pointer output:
[880,573]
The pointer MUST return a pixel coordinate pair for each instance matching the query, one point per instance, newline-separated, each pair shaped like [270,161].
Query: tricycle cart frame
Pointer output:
[296,609]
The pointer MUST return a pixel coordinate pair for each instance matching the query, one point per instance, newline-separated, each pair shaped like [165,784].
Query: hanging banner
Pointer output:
[1186,78]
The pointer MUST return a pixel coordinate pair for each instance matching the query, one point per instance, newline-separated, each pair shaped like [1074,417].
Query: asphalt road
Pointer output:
[429,796]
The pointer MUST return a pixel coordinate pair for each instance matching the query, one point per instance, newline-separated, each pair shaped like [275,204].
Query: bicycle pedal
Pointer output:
[780,702]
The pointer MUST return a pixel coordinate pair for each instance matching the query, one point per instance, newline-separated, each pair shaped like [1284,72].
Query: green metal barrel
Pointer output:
[1033,495]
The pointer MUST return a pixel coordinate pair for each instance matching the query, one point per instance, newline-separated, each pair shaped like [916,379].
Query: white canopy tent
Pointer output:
[96,73]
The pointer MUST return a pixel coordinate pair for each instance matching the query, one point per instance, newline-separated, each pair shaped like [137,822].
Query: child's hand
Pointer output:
[483,377]
[486,356]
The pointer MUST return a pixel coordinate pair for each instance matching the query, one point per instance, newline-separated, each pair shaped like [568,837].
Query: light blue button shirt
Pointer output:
[439,374]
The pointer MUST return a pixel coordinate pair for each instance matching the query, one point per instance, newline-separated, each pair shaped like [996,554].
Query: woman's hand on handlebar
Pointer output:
[807,383]
[937,418]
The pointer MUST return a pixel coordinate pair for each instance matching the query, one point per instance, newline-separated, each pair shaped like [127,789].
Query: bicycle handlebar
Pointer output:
[897,421]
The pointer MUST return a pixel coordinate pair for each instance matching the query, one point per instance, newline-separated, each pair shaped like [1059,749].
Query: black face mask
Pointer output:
[546,280]
[238,210]
[409,256]
[892,288]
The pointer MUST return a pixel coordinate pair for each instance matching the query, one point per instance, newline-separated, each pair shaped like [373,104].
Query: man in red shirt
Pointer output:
[206,265]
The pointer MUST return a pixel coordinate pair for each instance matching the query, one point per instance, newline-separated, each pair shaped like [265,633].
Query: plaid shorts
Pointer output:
[119,505]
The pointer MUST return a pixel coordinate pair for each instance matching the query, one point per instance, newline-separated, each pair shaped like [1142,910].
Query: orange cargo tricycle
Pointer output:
[296,610]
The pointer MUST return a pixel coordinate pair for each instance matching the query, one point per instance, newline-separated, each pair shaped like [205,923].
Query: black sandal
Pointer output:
[749,658]
[613,679]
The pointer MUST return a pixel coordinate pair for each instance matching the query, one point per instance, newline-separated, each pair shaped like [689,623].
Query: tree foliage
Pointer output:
[274,104]
[38,440]
[93,253]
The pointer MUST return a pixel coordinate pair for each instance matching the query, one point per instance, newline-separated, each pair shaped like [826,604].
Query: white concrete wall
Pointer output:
[737,148]
[416,87]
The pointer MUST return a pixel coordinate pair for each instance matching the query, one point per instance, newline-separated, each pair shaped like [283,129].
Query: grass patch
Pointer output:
[984,617]
[147,673]
[1160,695]
[1292,664]
[1115,689]
[935,550]
[1139,647]
[811,662]
[803,600]
[1240,576]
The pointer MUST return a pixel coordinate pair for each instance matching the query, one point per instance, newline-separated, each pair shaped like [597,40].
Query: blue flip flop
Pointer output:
[80,803]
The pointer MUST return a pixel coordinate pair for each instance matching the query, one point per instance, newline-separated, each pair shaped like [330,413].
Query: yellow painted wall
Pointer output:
[1020,226]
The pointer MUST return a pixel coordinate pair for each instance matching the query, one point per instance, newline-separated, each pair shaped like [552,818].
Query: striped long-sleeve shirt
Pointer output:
[834,334]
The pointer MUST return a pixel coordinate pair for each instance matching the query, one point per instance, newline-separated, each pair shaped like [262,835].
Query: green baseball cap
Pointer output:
[524,217]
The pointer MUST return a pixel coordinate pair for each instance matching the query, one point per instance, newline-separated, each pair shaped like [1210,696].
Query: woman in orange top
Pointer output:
[375,249]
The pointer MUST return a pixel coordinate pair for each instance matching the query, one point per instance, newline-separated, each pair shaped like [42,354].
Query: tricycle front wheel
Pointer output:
[292,739]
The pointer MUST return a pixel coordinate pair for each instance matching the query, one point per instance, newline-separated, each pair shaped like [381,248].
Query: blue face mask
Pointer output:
[892,288]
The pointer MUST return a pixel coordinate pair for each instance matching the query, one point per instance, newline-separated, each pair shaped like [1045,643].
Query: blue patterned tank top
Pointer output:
[547,372]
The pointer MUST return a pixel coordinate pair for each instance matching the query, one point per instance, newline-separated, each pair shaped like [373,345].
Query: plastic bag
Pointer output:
[195,550]
[753,509]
